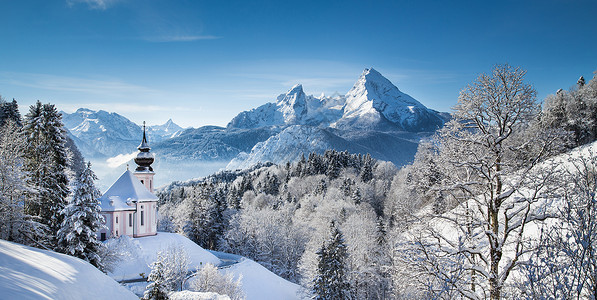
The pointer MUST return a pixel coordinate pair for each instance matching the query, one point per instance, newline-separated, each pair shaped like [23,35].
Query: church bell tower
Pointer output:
[144,159]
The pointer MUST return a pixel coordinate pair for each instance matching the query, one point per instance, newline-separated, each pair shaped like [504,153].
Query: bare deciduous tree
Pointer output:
[489,160]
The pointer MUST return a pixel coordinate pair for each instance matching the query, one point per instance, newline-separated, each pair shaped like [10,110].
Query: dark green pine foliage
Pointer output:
[46,163]
[9,111]
[331,281]
[367,168]
[206,218]
[82,221]
[334,167]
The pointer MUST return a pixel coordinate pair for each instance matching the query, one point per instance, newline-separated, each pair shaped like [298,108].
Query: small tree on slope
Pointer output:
[82,220]
[209,279]
[331,282]
[157,289]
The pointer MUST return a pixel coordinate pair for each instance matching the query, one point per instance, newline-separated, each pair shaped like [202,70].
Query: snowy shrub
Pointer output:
[176,265]
[209,279]
[117,250]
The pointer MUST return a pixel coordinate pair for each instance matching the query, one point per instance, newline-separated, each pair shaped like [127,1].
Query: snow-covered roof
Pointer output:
[127,189]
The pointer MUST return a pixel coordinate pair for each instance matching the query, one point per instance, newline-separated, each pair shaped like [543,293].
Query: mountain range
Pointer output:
[373,117]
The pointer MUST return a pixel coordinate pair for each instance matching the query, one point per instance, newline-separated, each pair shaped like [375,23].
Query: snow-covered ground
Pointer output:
[257,281]
[188,295]
[30,273]
[260,283]
[144,251]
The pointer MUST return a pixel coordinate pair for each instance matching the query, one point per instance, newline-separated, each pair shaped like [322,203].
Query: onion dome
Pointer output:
[144,159]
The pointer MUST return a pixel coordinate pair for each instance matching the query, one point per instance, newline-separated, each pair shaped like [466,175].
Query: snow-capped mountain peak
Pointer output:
[374,102]
[166,130]
[293,96]
[293,104]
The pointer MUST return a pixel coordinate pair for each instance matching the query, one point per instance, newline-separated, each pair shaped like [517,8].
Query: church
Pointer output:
[129,206]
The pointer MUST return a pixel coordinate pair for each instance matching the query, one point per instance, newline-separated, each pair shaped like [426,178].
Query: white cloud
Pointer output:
[95,4]
[120,159]
[73,84]
[181,38]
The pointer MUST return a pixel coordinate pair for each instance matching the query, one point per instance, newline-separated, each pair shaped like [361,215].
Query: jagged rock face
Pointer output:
[292,108]
[164,131]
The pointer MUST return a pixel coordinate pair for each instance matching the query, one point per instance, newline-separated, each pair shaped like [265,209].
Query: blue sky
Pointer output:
[202,62]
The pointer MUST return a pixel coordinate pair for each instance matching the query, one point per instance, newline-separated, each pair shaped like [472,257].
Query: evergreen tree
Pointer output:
[82,220]
[333,166]
[204,222]
[581,81]
[356,196]
[331,282]
[157,289]
[321,188]
[76,161]
[9,111]
[367,169]
[46,163]
[13,185]
[314,164]
[346,187]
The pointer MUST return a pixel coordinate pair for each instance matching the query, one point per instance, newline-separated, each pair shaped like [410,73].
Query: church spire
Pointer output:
[144,158]
[144,147]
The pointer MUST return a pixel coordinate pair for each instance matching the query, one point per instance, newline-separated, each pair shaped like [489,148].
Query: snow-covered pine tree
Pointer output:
[82,220]
[10,111]
[581,81]
[574,111]
[367,169]
[46,163]
[331,282]
[333,166]
[13,184]
[157,289]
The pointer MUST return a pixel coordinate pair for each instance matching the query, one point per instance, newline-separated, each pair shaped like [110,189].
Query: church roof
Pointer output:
[128,189]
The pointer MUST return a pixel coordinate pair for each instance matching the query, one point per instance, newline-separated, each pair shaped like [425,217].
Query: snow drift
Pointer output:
[30,273]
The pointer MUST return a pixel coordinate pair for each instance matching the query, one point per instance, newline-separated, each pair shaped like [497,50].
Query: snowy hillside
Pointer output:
[260,283]
[257,281]
[143,251]
[295,141]
[30,273]
[550,207]
[290,144]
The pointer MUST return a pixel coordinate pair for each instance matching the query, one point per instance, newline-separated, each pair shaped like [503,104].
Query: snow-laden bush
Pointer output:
[209,279]
[117,250]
